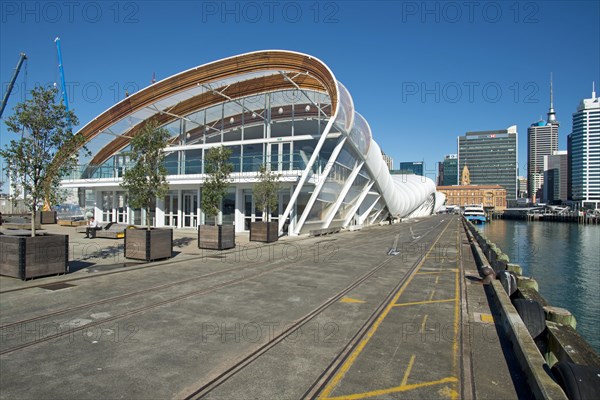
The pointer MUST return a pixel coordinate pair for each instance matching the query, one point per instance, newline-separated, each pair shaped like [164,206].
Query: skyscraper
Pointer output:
[555,177]
[585,148]
[449,170]
[491,157]
[542,140]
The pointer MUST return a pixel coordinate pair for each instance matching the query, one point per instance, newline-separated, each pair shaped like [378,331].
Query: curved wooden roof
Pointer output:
[314,75]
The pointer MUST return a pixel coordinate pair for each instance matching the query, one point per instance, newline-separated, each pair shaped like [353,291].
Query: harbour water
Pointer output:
[565,260]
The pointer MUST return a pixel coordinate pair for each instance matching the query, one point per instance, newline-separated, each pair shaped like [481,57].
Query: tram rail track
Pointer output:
[143,309]
[313,392]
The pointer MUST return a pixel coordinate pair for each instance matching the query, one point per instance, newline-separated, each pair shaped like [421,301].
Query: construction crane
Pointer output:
[22,58]
[62,79]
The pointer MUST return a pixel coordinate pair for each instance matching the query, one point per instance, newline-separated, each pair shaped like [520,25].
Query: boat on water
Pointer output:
[475,213]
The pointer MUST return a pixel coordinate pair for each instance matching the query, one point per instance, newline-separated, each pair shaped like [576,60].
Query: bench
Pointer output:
[110,231]
[324,231]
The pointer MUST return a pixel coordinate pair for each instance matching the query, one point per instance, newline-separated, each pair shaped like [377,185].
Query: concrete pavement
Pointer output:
[331,317]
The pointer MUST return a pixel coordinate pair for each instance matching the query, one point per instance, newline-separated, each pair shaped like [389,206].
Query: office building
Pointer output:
[555,178]
[448,170]
[585,153]
[389,161]
[491,158]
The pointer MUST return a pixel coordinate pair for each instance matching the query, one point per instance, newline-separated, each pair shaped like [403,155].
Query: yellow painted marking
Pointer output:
[396,389]
[437,279]
[424,322]
[440,271]
[408,369]
[486,318]
[432,294]
[454,393]
[350,300]
[362,344]
[414,303]
[448,392]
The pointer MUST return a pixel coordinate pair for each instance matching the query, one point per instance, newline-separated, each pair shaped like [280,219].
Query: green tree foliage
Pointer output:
[217,168]
[265,191]
[146,179]
[44,126]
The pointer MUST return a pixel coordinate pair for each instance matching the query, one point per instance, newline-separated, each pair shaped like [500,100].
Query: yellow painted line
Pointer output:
[437,279]
[396,389]
[350,300]
[414,303]
[440,271]
[423,323]
[432,294]
[408,369]
[454,394]
[486,318]
[362,344]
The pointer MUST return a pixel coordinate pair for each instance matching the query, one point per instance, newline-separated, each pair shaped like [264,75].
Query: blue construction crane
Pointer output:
[22,58]
[62,79]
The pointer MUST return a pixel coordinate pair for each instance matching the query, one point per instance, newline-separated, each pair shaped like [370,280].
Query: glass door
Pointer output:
[171,206]
[121,207]
[107,206]
[190,205]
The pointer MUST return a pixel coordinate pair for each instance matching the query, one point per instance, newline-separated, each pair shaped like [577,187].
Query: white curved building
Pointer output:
[280,108]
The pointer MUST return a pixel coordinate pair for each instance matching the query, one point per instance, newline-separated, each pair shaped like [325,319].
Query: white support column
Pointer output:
[365,215]
[179,209]
[375,216]
[159,213]
[305,174]
[319,186]
[359,201]
[239,213]
[198,209]
[343,194]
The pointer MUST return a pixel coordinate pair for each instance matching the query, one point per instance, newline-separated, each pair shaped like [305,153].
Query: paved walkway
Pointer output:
[385,312]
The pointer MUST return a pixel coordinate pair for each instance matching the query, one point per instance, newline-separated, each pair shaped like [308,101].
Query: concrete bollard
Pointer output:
[514,268]
[560,316]
[528,283]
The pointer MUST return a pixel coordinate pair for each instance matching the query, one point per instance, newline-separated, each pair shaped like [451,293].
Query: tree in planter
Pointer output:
[265,191]
[218,168]
[146,180]
[44,128]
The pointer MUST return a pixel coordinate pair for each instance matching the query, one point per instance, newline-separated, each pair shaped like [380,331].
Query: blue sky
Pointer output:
[422,73]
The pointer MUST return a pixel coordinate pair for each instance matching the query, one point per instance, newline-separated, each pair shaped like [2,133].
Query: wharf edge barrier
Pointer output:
[557,361]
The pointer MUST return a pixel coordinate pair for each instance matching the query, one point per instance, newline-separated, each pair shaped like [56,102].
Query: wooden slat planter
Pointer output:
[148,245]
[267,232]
[220,237]
[28,257]
[45,217]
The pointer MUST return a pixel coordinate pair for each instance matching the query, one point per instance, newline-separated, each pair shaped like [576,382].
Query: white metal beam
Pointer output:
[321,183]
[305,174]
[343,194]
[358,202]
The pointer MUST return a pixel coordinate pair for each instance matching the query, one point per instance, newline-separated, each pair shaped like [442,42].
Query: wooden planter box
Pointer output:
[264,232]
[28,257]
[45,217]
[148,245]
[220,237]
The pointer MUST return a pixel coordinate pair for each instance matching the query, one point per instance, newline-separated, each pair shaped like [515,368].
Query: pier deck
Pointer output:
[336,316]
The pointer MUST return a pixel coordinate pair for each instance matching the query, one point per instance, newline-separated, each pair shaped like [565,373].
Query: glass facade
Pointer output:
[303,127]
[491,157]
